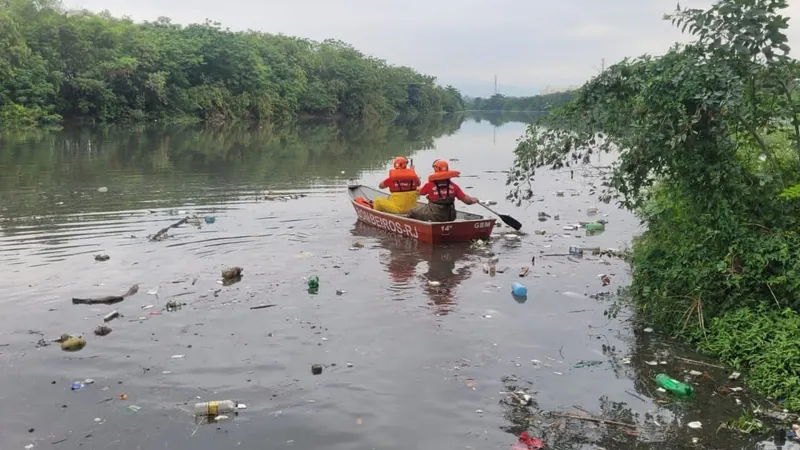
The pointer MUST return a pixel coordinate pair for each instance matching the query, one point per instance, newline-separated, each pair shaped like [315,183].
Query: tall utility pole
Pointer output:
[495,85]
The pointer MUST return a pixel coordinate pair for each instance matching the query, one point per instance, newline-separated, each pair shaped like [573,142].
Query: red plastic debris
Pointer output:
[526,442]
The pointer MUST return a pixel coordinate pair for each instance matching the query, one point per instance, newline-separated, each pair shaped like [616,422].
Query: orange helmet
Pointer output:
[440,165]
[400,162]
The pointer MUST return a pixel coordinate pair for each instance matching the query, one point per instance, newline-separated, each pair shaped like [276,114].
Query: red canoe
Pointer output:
[467,227]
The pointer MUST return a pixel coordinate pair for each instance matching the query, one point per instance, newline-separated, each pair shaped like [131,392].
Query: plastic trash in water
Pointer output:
[519,289]
[77,385]
[313,284]
[526,442]
[594,227]
[674,386]
[209,219]
[215,408]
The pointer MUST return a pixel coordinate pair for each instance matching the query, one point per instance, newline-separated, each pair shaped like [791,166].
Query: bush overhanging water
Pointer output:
[708,137]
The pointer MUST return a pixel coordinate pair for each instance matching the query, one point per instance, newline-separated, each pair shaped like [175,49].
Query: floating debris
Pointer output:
[262,306]
[107,300]
[231,275]
[101,258]
[583,363]
[172,305]
[73,344]
[479,244]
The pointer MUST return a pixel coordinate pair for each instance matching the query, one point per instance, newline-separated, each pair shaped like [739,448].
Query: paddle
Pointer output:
[508,220]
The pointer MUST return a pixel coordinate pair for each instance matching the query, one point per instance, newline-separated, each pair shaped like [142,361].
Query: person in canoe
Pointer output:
[442,193]
[402,183]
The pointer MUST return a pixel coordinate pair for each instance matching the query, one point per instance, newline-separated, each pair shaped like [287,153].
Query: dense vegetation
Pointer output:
[56,65]
[536,103]
[709,149]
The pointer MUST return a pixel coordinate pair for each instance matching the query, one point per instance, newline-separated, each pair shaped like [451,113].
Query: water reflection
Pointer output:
[500,118]
[446,266]
[154,166]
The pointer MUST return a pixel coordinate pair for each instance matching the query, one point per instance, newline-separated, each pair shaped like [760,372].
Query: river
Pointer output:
[405,365]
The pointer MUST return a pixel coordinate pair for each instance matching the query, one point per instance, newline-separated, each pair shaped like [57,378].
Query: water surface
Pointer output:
[406,364]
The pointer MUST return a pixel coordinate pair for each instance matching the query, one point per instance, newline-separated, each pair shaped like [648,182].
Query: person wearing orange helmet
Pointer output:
[402,183]
[442,193]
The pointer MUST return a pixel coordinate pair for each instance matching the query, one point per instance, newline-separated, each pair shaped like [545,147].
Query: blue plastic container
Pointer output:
[210,220]
[519,289]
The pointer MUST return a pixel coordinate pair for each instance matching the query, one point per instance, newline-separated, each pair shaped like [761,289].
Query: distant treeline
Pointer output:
[78,66]
[499,102]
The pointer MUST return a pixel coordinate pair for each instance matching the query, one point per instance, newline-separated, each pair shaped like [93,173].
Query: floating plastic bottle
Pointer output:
[519,289]
[595,226]
[214,408]
[674,386]
[313,283]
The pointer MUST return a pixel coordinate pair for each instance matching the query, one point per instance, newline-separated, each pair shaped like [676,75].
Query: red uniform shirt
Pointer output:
[432,191]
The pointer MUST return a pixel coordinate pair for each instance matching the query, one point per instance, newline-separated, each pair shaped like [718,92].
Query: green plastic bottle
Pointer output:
[674,386]
[313,283]
[595,226]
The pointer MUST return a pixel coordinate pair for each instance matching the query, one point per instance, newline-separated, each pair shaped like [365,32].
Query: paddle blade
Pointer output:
[510,221]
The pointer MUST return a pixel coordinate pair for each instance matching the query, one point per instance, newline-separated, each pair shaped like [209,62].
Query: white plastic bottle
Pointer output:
[214,408]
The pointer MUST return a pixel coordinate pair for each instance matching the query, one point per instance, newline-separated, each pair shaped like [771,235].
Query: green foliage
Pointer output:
[708,139]
[97,68]
[746,423]
[538,103]
[764,343]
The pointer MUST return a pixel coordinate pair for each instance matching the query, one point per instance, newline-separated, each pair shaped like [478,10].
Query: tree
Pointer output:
[95,67]
[708,142]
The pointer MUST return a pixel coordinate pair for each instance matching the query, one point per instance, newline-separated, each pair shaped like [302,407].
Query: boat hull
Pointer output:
[467,227]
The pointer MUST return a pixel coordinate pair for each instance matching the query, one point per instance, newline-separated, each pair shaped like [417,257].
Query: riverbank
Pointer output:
[714,183]
[405,362]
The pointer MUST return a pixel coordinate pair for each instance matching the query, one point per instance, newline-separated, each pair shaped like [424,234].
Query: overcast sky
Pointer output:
[528,44]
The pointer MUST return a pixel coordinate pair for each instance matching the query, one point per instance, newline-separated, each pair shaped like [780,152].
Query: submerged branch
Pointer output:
[161,235]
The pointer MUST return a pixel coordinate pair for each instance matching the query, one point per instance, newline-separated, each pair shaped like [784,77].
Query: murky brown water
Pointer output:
[407,365]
